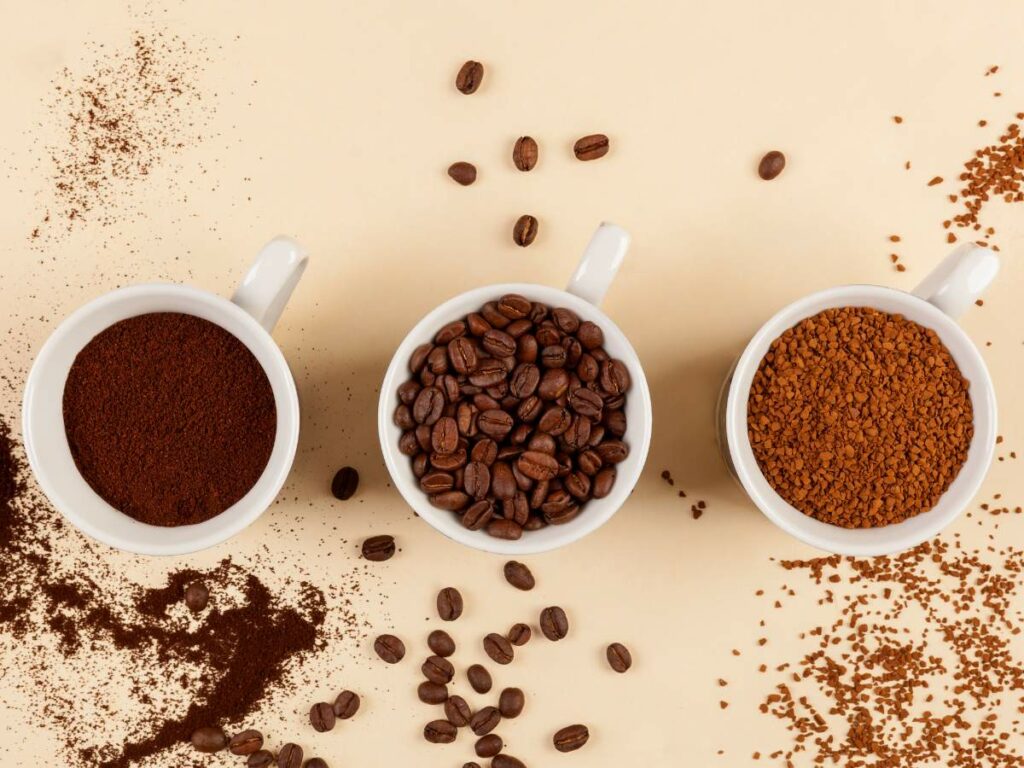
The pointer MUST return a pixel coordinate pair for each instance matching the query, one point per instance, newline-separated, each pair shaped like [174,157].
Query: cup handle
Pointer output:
[960,279]
[600,263]
[269,283]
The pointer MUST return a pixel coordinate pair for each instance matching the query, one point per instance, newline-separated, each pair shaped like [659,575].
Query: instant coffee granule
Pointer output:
[859,418]
[995,172]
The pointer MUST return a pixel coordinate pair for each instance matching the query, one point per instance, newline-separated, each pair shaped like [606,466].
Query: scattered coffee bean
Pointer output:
[457,711]
[619,657]
[470,76]
[389,648]
[345,483]
[511,702]
[246,742]
[506,761]
[519,576]
[432,693]
[315,762]
[290,756]
[379,548]
[525,230]
[209,739]
[591,147]
[520,634]
[462,172]
[479,678]
[571,738]
[489,745]
[471,765]
[262,759]
[554,623]
[438,670]
[440,732]
[498,648]
[771,165]
[449,604]
[346,705]
[197,595]
[524,153]
[441,643]
[321,717]
[484,721]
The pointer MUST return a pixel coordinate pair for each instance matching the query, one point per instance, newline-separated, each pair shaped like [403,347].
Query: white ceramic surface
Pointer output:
[263,293]
[945,294]
[593,276]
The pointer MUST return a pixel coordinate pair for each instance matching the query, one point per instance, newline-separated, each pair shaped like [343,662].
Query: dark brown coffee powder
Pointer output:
[170,418]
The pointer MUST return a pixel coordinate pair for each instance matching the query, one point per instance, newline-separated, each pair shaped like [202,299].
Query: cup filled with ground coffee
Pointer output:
[862,419]
[162,419]
[516,418]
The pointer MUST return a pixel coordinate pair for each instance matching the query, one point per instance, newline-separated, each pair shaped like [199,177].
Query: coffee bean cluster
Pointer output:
[514,416]
[249,744]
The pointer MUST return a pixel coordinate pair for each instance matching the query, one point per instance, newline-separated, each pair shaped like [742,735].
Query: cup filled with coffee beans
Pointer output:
[162,419]
[516,418]
[862,419]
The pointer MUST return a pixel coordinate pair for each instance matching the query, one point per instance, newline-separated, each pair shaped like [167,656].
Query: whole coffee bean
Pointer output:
[553,357]
[441,643]
[471,765]
[524,380]
[436,482]
[498,343]
[619,657]
[449,462]
[524,153]
[457,711]
[389,648]
[554,623]
[571,738]
[490,313]
[438,670]
[525,230]
[449,604]
[261,759]
[565,320]
[444,437]
[440,732]
[479,678]
[290,756]
[246,742]
[470,76]
[498,648]
[519,576]
[489,745]
[346,705]
[419,357]
[612,451]
[771,165]
[432,693]
[209,739]
[477,479]
[519,634]
[453,501]
[402,418]
[537,465]
[505,529]
[590,335]
[428,406]
[315,762]
[603,482]
[450,331]
[197,595]
[321,717]
[506,761]
[478,515]
[484,721]
[578,485]
[346,480]
[514,306]
[553,384]
[555,421]
[591,147]
[511,702]
[614,378]
[615,421]
[408,391]
[462,172]
[496,424]
[584,402]
[527,348]
[379,548]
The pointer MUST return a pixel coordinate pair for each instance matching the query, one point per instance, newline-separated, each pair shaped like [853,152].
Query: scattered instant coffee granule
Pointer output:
[995,172]
[859,418]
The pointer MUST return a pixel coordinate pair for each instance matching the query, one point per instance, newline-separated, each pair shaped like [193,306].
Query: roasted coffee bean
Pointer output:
[590,335]
[346,705]
[548,334]
[436,482]
[554,623]
[403,420]
[485,450]
[530,408]
[428,406]
[440,732]
[543,443]
[498,343]
[553,357]
[524,153]
[471,74]
[449,386]
[453,501]
[565,320]
[419,357]
[516,509]
[197,595]
[578,485]
[209,739]
[477,479]
[612,451]
[588,369]
[514,306]
[379,548]
[441,643]
[498,648]
[519,576]
[479,678]
[438,670]
[246,742]
[553,384]
[484,721]
[505,529]
[575,438]
[614,378]
[346,479]
[538,496]
[488,373]
[408,444]
[449,462]
[261,759]
[517,328]
[591,147]
[437,361]
[432,693]
[586,403]
[449,332]
[503,482]
[389,648]
[524,380]
[420,465]
[511,702]
[463,356]
[603,482]
[408,391]
[493,316]
[457,711]
[444,437]
[520,435]
[471,765]
[476,324]
[771,165]
[315,762]
[527,348]
[571,738]
[555,421]
[321,717]
[488,746]
[525,230]
[506,761]
[615,421]
[449,604]
[519,634]
[290,756]
[619,657]
[462,172]
[423,437]
[478,515]
[573,351]
[537,465]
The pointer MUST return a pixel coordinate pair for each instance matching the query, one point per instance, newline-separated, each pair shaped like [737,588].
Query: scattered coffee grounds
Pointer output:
[170,418]
[591,147]
[514,417]
[995,172]
[859,418]
[771,165]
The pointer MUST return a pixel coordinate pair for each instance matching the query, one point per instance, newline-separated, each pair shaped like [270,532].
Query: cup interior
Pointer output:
[890,538]
[596,512]
[50,455]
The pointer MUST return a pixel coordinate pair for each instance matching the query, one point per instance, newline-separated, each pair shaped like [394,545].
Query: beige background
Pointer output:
[334,124]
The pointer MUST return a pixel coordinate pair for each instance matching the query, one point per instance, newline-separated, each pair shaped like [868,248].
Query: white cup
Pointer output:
[586,289]
[944,295]
[249,316]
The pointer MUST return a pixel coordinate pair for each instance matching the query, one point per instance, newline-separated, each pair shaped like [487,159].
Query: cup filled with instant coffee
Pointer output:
[162,419]
[516,418]
[862,419]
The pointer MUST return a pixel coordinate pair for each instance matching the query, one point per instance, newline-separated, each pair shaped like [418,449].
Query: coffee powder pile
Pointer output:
[859,418]
[170,418]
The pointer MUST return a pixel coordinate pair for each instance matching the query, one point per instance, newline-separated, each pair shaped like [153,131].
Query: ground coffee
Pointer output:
[170,418]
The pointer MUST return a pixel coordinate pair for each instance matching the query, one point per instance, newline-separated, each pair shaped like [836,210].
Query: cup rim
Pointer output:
[883,540]
[246,510]
[598,511]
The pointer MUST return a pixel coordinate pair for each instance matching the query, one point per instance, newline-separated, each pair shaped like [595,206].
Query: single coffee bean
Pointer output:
[615,421]
[525,230]
[450,331]
[408,391]
[493,316]
[590,335]
[321,717]
[619,657]
[511,702]
[771,165]
[346,705]
[519,576]
[379,548]
[462,172]
[449,604]
[440,732]
[519,634]
[591,147]
[441,643]
[553,384]
[505,529]
[555,421]
[477,479]
[263,758]
[432,693]
[444,437]
[484,721]
[315,762]
[403,419]
[457,711]
[438,670]
[479,678]
[506,761]
[449,462]
[537,466]
[524,153]
[496,424]
[436,482]
[603,483]
[246,742]
[498,648]
[453,501]
[571,738]
[428,406]
[290,756]
[554,623]
[578,485]
[209,739]
[478,515]
[471,765]
[612,451]
[514,306]
[346,479]
[197,595]
[470,76]
[389,648]
[489,745]
[614,378]
[498,343]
